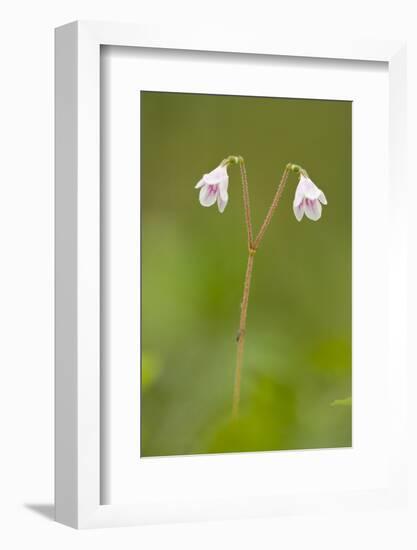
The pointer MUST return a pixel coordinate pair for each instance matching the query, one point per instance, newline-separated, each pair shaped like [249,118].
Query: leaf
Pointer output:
[342,402]
[151,369]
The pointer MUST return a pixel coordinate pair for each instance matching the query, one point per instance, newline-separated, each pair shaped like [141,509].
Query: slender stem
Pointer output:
[241,335]
[246,201]
[246,288]
[252,246]
[273,206]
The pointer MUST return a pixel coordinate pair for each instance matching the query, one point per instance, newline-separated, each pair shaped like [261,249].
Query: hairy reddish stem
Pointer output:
[252,247]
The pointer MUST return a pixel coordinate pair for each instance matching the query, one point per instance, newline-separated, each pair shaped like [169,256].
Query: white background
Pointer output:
[26,299]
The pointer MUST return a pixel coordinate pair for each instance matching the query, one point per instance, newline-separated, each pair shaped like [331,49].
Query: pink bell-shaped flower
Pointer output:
[213,188]
[308,199]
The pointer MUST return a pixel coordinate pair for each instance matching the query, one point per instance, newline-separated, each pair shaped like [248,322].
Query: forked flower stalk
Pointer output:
[252,248]
[214,188]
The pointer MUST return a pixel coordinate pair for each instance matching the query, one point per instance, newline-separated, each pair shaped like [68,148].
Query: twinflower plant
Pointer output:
[308,201]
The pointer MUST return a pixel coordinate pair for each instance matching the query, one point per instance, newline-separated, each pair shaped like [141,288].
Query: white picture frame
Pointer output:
[78,406]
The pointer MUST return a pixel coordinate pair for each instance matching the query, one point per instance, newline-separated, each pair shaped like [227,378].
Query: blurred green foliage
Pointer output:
[298,346]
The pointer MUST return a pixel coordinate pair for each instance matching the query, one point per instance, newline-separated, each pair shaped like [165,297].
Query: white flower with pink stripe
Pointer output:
[308,199]
[213,188]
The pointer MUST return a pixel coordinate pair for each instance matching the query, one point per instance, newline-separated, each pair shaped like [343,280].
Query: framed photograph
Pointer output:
[230,259]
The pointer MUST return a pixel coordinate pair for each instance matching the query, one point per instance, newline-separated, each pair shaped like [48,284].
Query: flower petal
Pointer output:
[207,196]
[299,193]
[216,176]
[322,198]
[298,211]
[311,191]
[313,209]
[200,184]
[223,188]
[221,202]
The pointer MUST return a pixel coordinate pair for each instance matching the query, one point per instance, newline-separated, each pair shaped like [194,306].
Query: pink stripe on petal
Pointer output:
[313,209]
[207,197]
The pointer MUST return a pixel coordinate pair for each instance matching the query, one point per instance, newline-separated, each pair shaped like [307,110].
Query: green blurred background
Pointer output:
[298,343]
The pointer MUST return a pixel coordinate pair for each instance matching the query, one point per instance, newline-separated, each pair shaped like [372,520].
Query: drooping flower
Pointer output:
[308,199]
[213,187]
